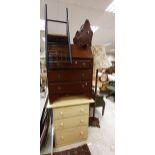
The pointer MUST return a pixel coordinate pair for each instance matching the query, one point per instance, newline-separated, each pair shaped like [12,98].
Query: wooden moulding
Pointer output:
[70,101]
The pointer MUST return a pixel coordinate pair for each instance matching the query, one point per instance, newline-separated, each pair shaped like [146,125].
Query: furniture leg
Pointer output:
[94,109]
[95,93]
[103,108]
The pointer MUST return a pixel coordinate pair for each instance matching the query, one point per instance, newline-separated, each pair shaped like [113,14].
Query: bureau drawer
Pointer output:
[69,136]
[76,63]
[57,53]
[70,87]
[71,122]
[65,112]
[56,48]
[69,75]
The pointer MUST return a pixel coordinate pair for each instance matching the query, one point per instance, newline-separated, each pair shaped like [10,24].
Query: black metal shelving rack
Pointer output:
[67,34]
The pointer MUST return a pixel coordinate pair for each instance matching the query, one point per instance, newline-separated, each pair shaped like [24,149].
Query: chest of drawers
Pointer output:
[70,119]
[67,79]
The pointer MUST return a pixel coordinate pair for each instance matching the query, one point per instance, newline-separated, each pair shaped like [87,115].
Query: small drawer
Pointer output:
[69,136]
[65,112]
[71,122]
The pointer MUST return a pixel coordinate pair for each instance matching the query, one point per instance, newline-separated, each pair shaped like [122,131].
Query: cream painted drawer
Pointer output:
[69,136]
[71,122]
[65,112]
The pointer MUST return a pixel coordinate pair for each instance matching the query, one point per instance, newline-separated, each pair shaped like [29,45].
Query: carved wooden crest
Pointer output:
[83,37]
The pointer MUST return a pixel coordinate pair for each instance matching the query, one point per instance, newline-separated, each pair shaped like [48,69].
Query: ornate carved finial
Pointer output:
[83,37]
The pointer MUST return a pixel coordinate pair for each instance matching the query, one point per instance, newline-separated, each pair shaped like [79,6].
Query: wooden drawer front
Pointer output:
[65,112]
[57,53]
[56,38]
[56,48]
[69,75]
[88,63]
[70,88]
[69,136]
[71,122]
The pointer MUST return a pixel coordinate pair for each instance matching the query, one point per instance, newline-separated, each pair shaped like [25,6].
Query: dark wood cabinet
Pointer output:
[67,79]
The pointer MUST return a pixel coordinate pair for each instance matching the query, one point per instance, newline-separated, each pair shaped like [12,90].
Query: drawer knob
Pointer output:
[62,137]
[59,88]
[82,121]
[82,85]
[81,133]
[83,75]
[61,113]
[75,62]
[82,110]
[84,64]
[61,124]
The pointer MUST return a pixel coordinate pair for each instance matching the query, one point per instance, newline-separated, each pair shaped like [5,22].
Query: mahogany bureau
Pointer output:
[68,79]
